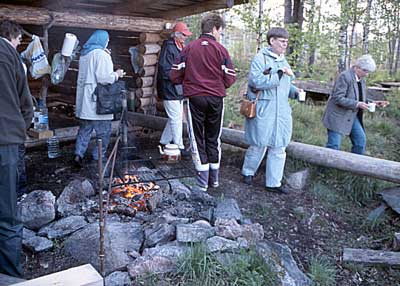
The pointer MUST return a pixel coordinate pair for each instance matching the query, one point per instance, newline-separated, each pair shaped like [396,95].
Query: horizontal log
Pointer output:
[144,81]
[371,257]
[147,101]
[145,92]
[66,134]
[41,16]
[147,60]
[149,37]
[147,71]
[146,49]
[345,161]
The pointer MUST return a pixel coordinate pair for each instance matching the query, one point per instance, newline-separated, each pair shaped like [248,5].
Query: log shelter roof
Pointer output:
[167,9]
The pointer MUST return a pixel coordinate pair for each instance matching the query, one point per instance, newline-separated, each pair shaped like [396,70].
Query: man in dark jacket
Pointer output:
[170,93]
[15,117]
[205,70]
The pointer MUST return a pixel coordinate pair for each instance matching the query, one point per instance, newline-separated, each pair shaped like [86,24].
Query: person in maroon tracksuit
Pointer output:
[205,70]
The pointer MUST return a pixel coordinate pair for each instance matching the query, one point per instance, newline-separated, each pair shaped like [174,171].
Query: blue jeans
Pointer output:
[357,137]
[86,127]
[10,226]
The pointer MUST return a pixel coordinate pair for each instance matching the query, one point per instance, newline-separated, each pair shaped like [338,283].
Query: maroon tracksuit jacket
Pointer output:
[205,70]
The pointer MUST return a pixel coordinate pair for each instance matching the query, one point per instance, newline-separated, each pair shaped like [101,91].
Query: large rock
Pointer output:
[228,209]
[392,197]
[37,244]
[120,239]
[146,265]
[253,232]
[217,243]
[171,250]
[74,200]
[37,209]
[194,232]
[228,228]
[281,260]
[118,278]
[63,227]
[159,234]
[298,180]
[179,190]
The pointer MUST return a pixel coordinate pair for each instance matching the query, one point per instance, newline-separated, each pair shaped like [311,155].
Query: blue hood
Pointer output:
[98,40]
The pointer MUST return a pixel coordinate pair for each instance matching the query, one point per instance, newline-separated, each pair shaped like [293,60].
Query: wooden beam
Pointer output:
[200,8]
[74,18]
[84,275]
[371,257]
[345,161]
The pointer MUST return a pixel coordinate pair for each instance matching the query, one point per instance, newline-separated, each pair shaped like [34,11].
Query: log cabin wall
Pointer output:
[141,85]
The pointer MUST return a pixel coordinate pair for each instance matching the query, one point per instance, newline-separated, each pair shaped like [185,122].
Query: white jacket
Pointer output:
[95,67]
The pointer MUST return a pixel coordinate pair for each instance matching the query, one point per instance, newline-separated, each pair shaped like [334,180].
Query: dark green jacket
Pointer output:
[16,108]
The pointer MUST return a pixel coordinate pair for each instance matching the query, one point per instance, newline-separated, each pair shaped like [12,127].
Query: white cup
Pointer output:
[371,106]
[302,95]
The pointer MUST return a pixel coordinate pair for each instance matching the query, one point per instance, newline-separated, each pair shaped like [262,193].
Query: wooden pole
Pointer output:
[345,161]
[149,38]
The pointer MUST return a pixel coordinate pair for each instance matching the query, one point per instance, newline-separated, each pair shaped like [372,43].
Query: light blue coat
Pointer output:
[272,126]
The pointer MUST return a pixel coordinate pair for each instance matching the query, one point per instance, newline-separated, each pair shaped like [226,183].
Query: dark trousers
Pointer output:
[206,120]
[10,227]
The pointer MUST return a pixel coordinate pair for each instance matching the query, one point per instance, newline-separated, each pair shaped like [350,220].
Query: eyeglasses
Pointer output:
[283,41]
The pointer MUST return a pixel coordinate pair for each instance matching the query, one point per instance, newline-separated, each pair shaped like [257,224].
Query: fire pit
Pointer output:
[129,195]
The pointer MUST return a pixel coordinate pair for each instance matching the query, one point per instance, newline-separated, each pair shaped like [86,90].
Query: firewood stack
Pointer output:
[147,58]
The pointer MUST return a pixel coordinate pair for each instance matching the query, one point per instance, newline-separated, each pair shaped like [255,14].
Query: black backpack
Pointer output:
[109,97]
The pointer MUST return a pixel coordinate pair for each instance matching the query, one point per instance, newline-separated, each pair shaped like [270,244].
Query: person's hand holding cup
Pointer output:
[120,73]
[302,95]
[371,106]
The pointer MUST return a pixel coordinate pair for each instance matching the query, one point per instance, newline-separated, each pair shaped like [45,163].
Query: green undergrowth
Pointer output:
[322,272]
[201,268]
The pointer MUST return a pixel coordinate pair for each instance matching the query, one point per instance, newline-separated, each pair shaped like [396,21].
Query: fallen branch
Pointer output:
[371,257]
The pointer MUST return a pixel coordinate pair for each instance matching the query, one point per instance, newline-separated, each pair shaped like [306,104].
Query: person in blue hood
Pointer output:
[271,77]
[95,66]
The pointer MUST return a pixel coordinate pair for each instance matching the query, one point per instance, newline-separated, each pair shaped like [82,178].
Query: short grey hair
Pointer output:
[277,32]
[366,62]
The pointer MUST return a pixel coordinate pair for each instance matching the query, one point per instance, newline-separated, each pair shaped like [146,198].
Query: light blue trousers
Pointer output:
[173,129]
[275,163]
[86,127]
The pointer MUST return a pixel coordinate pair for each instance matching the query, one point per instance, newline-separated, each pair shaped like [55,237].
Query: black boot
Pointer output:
[213,180]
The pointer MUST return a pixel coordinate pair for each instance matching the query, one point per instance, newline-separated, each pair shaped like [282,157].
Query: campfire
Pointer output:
[129,195]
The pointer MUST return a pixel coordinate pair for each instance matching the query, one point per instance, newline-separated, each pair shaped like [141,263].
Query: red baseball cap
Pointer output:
[181,27]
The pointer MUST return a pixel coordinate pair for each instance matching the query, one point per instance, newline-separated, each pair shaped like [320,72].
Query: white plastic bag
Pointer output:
[35,55]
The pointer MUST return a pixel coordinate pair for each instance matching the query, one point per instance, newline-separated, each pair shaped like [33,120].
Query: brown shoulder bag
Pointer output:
[248,107]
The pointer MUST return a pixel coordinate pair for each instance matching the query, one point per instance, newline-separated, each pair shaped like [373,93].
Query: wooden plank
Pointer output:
[371,257]
[84,275]
[41,16]
[390,84]
[354,163]
[40,134]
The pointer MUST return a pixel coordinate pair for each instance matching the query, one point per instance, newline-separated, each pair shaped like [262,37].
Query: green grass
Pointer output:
[200,268]
[322,272]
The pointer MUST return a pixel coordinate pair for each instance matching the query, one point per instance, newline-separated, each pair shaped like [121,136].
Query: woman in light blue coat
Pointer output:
[271,76]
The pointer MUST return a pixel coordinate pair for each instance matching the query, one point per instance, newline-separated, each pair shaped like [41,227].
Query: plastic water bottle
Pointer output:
[53,147]
[43,119]
[36,115]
